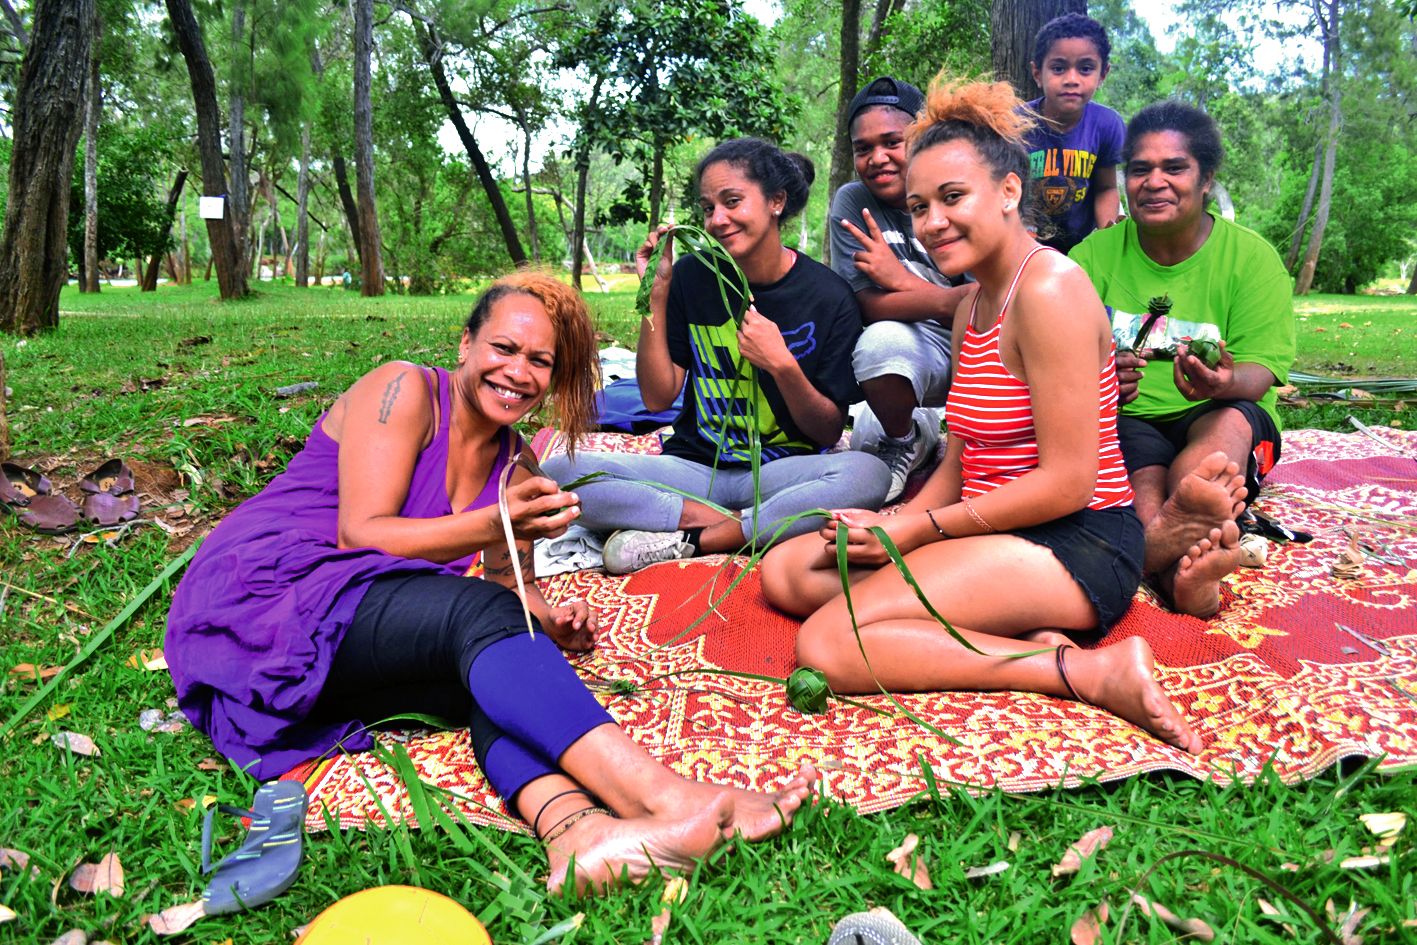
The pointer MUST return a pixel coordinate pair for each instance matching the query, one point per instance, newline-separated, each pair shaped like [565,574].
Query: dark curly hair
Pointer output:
[1071,26]
[774,171]
[1201,132]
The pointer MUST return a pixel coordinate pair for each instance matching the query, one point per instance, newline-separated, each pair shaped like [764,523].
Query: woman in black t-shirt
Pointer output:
[798,334]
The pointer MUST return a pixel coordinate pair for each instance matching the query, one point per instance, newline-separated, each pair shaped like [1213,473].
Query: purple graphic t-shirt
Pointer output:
[1062,169]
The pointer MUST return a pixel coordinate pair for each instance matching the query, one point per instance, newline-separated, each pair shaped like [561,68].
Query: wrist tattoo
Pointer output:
[391,393]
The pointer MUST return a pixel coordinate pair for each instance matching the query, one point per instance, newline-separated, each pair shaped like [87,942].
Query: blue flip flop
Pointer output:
[266,864]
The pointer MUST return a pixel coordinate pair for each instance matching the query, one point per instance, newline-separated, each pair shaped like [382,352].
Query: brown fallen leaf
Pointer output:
[1014,839]
[104,876]
[1086,845]
[1348,927]
[58,711]
[909,865]
[1344,325]
[72,937]
[210,764]
[150,660]
[1268,908]
[13,859]
[1364,862]
[978,872]
[1088,927]
[1193,927]
[75,742]
[35,673]
[176,919]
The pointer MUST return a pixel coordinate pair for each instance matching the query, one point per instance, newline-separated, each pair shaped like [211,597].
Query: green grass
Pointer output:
[79,396]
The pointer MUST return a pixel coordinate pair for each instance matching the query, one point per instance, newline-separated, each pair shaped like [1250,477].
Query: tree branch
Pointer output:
[17,26]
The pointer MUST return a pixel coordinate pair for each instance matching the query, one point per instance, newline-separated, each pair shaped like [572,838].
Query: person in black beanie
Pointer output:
[902,361]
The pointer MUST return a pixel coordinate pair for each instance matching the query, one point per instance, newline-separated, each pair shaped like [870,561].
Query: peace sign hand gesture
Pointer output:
[876,259]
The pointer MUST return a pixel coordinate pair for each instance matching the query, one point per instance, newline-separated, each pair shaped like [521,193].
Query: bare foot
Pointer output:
[1212,493]
[1195,583]
[607,851]
[1121,679]
[757,815]
[1047,638]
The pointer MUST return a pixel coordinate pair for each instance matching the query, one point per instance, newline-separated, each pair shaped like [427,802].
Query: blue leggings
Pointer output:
[457,648]
[788,486]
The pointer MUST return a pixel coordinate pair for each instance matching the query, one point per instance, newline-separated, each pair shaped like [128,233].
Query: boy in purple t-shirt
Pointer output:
[1077,146]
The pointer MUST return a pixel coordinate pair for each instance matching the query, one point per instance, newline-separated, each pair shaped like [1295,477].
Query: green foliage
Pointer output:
[673,83]
[921,39]
[132,193]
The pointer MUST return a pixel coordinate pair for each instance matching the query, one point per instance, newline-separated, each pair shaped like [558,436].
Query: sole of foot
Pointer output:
[1212,493]
[600,853]
[1195,583]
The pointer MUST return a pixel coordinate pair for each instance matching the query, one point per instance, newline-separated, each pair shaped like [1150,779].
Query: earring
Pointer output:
[1009,206]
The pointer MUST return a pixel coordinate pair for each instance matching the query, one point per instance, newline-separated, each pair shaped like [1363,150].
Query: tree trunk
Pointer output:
[582,177]
[4,414]
[431,47]
[371,263]
[302,213]
[149,282]
[847,77]
[530,207]
[885,9]
[240,174]
[351,209]
[1412,286]
[88,275]
[1305,279]
[1014,24]
[186,249]
[320,259]
[656,184]
[47,116]
[1298,240]
[230,274]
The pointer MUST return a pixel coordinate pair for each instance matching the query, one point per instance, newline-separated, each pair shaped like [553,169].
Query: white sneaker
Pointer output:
[903,457]
[630,549]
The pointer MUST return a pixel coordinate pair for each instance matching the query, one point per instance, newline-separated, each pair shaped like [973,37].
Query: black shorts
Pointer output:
[1102,550]
[1158,442]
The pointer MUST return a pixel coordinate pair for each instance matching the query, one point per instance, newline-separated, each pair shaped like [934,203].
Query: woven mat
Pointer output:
[1272,680]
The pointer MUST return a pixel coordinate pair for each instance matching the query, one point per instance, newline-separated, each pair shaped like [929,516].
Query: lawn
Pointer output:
[185,387]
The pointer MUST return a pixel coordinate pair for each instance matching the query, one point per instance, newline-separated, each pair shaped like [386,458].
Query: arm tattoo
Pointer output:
[391,393]
[498,563]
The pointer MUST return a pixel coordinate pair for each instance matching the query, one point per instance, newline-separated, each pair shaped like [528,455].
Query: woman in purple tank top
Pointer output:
[339,596]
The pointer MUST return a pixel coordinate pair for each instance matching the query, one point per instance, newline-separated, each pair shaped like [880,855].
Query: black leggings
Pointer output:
[458,648]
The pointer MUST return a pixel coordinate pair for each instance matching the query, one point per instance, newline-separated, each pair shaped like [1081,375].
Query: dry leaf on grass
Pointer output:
[13,859]
[7,914]
[1088,927]
[176,919]
[210,764]
[150,660]
[1384,826]
[104,876]
[909,865]
[1364,862]
[978,872]
[1348,927]
[58,711]
[1193,927]
[75,742]
[1086,845]
[72,937]
[155,720]
[35,673]
[1268,908]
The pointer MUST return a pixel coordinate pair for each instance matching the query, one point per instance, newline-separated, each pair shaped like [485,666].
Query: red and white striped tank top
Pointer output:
[991,410]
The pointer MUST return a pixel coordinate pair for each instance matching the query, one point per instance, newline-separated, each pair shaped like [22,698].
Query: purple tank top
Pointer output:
[257,618]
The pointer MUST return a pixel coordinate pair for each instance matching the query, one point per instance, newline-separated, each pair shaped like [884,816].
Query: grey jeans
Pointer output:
[630,498]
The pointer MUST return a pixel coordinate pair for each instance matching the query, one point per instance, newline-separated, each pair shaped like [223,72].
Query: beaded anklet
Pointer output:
[569,821]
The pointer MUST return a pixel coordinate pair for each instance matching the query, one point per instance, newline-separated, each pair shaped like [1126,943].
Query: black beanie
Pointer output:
[886,91]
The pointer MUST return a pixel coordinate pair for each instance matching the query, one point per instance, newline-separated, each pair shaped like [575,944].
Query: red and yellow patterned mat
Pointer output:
[1299,669]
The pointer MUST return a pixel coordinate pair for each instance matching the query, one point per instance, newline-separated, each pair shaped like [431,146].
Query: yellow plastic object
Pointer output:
[394,915]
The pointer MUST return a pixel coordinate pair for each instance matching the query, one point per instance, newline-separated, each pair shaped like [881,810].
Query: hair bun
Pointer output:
[988,105]
[805,165]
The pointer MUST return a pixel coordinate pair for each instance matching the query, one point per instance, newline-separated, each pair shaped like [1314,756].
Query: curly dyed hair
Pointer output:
[576,373]
[986,114]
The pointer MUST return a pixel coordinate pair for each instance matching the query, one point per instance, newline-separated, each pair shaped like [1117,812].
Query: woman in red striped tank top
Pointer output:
[1025,532]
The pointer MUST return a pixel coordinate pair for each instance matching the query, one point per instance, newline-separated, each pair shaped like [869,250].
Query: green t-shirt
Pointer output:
[1234,289]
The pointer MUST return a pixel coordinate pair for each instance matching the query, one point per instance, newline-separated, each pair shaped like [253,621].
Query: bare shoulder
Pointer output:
[1058,298]
[394,395]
